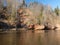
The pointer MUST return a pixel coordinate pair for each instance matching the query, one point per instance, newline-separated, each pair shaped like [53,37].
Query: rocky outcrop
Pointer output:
[25,16]
[36,27]
[48,26]
[57,27]
[3,25]
[39,27]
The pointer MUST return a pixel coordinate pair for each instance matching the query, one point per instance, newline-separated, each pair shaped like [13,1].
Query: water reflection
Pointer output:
[7,38]
[38,37]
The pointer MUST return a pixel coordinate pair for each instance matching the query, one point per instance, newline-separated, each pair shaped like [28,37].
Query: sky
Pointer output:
[52,3]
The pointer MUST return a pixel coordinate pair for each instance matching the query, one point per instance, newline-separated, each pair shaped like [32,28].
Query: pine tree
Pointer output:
[57,11]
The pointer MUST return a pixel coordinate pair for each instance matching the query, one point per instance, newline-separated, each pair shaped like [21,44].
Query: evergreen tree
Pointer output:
[57,11]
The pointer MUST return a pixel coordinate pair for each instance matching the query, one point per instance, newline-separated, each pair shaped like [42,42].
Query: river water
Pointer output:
[38,37]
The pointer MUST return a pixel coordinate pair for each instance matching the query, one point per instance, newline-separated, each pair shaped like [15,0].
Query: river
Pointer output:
[29,37]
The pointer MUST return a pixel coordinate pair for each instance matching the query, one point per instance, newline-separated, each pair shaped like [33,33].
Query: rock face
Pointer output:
[49,26]
[28,16]
[36,27]
[57,27]
[3,25]
[36,14]
[24,16]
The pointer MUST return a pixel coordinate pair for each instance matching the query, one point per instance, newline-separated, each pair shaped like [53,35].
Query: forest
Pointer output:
[18,14]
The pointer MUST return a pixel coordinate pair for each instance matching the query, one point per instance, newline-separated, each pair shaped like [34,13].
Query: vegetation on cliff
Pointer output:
[23,15]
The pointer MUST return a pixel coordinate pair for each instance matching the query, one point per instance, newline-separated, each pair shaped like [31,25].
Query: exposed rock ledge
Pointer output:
[58,27]
[36,27]
[43,27]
